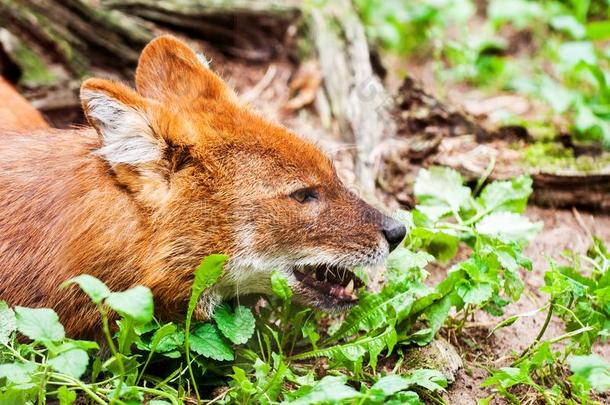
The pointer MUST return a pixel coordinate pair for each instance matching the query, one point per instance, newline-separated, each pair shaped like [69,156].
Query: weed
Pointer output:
[579,294]
[562,59]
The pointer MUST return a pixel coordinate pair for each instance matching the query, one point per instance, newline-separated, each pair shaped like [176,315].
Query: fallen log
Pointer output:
[75,34]
[251,30]
[81,35]
[431,132]
[53,44]
[558,188]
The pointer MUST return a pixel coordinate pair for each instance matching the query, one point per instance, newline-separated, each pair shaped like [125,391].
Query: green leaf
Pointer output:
[20,394]
[207,341]
[476,294]
[440,190]
[39,324]
[510,195]
[352,352]
[375,310]
[158,402]
[559,97]
[572,53]
[512,319]
[73,362]
[130,363]
[280,287]
[330,389]
[17,373]
[238,327]
[593,369]
[404,265]
[135,303]
[567,23]
[443,246]
[509,226]
[65,396]
[391,384]
[161,336]
[129,395]
[310,331]
[519,12]
[126,335]
[270,379]
[436,306]
[402,259]
[432,380]
[8,323]
[94,288]
[206,275]
[598,30]
[96,368]
[85,345]
[171,342]
[405,398]
[437,314]
[243,380]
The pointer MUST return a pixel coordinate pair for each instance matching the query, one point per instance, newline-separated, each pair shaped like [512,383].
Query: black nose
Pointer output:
[394,232]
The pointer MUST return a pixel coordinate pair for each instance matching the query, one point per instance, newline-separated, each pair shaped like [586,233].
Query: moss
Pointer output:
[305,47]
[35,72]
[438,355]
[553,157]
[56,33]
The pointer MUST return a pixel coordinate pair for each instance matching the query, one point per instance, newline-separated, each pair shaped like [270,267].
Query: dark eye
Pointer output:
[305,195]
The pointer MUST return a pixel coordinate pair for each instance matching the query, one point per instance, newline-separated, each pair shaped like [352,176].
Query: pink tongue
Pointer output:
[340,292]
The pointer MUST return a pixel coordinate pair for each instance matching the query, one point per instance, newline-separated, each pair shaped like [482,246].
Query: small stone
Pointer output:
[438,355]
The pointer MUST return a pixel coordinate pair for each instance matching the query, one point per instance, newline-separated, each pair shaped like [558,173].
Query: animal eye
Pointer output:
[305,195]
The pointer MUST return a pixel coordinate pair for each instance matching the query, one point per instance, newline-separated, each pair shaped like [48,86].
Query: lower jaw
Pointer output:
[322,301]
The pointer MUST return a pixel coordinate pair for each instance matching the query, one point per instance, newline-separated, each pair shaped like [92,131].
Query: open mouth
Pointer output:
[337,283]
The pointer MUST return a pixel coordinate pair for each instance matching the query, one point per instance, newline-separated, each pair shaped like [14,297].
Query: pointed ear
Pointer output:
[120,117]
[169,69]
[137,155]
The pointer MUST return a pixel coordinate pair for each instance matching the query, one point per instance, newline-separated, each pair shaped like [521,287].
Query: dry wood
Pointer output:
[588,190]
[253,30]
[80,35]
[431,132]
[76,34]
[358,99]
[438,355]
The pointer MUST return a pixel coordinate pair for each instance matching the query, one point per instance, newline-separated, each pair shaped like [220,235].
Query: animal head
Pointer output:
[212,176]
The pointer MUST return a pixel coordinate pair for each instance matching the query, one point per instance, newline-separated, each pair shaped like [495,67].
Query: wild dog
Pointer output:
[168,173]
[15,111]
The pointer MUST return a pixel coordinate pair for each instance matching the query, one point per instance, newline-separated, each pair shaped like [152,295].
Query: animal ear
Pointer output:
[120,117]
[169,69]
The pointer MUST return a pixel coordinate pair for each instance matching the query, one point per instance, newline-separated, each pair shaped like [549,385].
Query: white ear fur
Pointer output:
[126,133]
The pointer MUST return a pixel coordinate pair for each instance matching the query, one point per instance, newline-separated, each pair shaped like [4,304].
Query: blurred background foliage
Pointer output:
[553,51]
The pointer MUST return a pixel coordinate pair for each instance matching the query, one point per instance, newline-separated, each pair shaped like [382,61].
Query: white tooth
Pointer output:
[350,287]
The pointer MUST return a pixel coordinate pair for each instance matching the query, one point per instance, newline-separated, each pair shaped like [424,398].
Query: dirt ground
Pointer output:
[563,230]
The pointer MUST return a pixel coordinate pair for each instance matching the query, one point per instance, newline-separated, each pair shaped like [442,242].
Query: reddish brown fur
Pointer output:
[223,184]
[15,112]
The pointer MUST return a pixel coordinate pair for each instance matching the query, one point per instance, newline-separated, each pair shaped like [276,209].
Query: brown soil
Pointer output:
[563,230]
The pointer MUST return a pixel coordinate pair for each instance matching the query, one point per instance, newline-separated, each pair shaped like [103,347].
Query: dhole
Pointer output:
[170,173]
[15,112]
